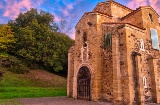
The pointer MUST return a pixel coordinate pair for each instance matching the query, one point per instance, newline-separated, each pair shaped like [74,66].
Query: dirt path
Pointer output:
[58,101]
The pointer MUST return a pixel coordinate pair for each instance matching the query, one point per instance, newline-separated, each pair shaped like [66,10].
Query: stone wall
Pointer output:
[119,11]
[128,72]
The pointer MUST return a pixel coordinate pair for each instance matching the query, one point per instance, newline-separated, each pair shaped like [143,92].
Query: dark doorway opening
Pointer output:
[83,84]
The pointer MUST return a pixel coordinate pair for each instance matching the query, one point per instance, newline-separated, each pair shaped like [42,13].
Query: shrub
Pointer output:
[13,64]
[19,68]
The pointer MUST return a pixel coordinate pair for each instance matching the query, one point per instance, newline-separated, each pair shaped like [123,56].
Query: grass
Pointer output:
[30,92]
[14,86]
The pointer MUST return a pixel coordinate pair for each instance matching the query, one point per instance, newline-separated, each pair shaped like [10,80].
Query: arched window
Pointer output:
[84,37]
[150,17]
[154,38]
[108,40]
[142,44]
[144,82]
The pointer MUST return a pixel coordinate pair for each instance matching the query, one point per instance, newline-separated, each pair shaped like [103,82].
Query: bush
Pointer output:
[19,68]
[13,64]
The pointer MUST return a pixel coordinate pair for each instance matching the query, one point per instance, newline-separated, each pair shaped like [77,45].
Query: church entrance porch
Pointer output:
[83,84]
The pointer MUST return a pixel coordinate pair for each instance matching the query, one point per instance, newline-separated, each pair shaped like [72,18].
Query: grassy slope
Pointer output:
[37,83]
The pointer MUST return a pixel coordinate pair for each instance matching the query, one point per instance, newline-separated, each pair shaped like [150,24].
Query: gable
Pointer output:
[103,7]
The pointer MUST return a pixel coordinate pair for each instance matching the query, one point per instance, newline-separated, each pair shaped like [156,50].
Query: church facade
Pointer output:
[116,55]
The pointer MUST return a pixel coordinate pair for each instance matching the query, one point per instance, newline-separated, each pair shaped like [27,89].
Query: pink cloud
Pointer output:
[1,6]
[70,6]
[65,12]
[67,9]
[155,4]
[14,7]
[136,3]
[56,18]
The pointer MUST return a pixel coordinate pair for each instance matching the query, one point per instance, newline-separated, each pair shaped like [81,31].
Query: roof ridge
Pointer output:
[121,5]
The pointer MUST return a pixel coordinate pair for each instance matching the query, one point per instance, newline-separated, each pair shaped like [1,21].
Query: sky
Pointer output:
[71,10]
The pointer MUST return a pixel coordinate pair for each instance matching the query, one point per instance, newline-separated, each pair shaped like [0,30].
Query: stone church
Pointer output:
[116,55]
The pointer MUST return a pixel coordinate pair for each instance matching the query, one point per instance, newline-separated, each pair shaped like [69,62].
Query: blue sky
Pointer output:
[72,10]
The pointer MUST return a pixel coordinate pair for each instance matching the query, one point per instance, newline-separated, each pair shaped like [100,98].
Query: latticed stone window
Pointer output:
[154,37]
[108,40]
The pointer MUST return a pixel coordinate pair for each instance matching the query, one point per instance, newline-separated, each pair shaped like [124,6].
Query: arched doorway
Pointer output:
[83,84]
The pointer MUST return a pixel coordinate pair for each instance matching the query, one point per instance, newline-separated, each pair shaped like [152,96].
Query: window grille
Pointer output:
[108,40]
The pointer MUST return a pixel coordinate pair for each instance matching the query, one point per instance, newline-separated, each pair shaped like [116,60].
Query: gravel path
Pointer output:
[58,101]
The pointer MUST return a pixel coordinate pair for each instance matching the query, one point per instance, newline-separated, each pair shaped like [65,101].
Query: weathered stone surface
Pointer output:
[128,71]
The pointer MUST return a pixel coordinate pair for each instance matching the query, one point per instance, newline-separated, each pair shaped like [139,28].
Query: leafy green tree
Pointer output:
[39,41]
[6,38]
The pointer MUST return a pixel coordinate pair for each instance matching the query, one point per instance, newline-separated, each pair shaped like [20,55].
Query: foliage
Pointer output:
[38,40]
[6,38]
[13,64]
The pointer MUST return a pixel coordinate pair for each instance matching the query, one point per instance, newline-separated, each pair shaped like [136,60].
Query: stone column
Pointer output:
[138,85]
[117,89]
[70,75]
[154,79]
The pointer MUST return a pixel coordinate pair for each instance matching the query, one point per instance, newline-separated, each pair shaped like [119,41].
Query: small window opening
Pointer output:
[84,37]
[151,18]
[144,82]
[108,40]
[85,45]
[142,44]
[78,31]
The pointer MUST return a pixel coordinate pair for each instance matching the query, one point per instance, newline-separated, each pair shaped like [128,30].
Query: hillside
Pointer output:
[34,78]
[36,83]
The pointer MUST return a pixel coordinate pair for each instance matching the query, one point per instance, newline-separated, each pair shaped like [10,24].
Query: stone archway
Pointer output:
[84,84]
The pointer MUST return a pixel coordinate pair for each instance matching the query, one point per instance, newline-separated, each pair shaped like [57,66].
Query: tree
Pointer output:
[38,39]
[6,38]
[65,26]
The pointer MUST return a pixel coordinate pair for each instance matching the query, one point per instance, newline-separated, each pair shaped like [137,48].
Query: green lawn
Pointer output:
[29,92]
